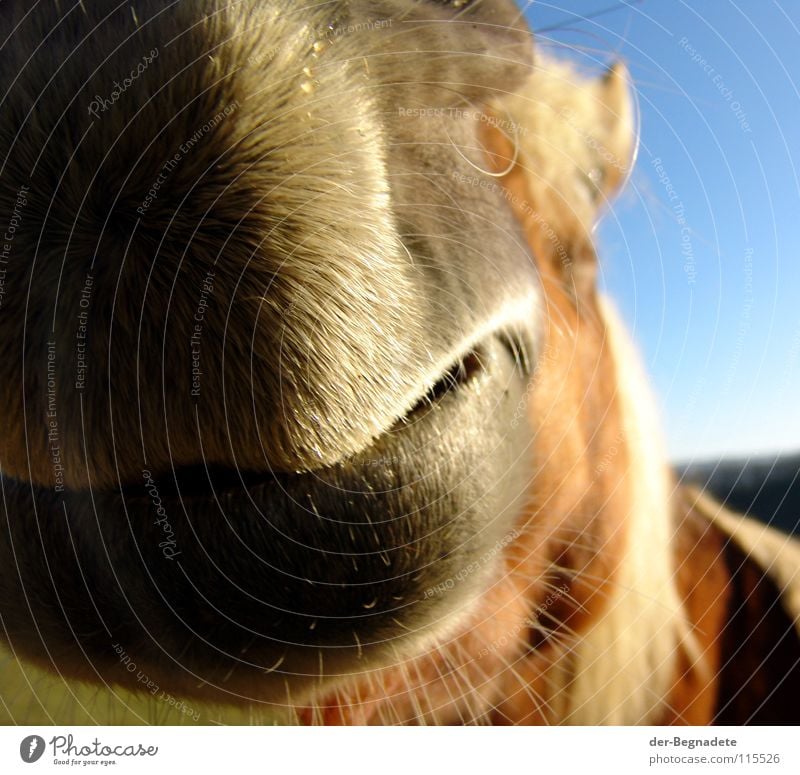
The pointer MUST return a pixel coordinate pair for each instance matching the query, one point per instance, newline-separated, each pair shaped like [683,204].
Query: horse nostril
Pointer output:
[464,371]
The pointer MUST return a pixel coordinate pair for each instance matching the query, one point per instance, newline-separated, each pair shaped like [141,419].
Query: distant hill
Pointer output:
[767,488]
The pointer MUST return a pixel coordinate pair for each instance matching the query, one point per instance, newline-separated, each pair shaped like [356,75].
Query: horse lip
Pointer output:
[515,332]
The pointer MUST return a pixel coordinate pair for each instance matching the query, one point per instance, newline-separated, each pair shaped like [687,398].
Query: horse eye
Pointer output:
[595,178]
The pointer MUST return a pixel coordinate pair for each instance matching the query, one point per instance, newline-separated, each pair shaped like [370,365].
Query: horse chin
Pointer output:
[456,676]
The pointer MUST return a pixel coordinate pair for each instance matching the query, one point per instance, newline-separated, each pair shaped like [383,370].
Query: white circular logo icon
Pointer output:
[31,748]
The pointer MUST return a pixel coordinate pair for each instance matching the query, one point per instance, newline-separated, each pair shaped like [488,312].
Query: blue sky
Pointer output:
[709,279]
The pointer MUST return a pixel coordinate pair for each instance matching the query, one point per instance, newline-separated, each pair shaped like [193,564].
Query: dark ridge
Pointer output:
[766,488]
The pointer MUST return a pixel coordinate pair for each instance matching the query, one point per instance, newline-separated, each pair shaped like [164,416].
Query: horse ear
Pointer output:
[616,108]
[567,143]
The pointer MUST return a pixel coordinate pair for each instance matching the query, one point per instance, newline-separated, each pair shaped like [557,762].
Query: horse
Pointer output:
[314,410]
